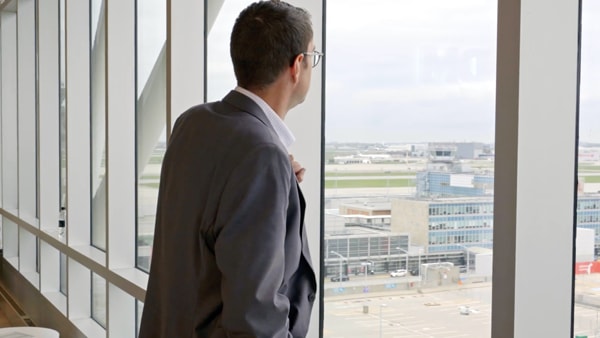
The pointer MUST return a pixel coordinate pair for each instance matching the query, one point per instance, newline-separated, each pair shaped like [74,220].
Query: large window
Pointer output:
[98,121]
[449,131]
[220,20]
[587,223]
[99,299]
[62,110]
[409,138]
[62,144]
[151,118]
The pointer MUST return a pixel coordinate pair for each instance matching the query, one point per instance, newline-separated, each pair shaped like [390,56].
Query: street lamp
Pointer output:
[419,267]
[406,252]
[341,258]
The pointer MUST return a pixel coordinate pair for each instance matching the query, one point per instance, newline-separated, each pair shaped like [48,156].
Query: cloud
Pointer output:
[425,70]
[400,75]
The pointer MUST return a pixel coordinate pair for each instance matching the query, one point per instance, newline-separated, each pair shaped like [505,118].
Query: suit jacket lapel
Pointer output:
[246,104]
[305,250]
[302,204]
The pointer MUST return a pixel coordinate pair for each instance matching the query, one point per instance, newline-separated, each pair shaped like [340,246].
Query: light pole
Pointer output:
[419,268]
[341,258]
[406,252]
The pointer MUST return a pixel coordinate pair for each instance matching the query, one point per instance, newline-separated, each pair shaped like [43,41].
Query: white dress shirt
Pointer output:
[284,133]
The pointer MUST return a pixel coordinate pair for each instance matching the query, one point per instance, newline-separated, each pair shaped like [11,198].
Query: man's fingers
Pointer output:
[300,174]
[297,167]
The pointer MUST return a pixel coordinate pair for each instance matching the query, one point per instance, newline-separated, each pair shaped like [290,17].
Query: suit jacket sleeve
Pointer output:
[249,246]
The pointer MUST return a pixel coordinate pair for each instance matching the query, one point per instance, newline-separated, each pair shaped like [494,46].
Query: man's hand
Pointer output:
[298,169]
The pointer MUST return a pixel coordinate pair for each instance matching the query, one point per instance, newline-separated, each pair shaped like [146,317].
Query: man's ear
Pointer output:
[296,67]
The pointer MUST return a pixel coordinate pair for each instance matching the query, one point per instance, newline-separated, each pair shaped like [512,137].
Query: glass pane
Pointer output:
[409,168]
[220,77]
[139,309]
[63,273]
[151,118]
[587,246]
[98,122]
[99,299]
[62,116]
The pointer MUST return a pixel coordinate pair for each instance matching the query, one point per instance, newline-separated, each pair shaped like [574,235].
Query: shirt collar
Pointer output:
[282,131]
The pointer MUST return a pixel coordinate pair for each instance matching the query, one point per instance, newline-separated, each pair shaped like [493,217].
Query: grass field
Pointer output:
[364,179]
[589,168]
[591,179]
[375,183]
[366,183]
[331,174]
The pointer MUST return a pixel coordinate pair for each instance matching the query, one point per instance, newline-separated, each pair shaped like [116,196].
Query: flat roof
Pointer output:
[377,206]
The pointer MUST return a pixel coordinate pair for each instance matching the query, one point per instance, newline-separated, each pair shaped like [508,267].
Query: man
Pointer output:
[230,255]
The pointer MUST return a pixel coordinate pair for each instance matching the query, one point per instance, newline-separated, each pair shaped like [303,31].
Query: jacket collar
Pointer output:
[246,104]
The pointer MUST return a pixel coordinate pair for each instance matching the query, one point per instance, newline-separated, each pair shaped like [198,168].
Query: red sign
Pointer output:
[587,267]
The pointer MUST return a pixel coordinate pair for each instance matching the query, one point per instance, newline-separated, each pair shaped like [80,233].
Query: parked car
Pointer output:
[336,278]
[398,273]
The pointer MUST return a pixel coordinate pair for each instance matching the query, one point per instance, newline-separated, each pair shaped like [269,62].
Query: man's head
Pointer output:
[267,38]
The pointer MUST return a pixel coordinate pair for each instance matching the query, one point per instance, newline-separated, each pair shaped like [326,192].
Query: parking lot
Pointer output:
[456,313]
[459,311]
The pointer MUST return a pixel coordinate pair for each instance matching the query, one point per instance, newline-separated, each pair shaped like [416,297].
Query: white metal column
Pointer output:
[26,94]
[121,98]
[9,111]
[305,121]
[78,121]
[26,137]
[77,31]
[8,108]
[535,168]
[49,106]
[48,146]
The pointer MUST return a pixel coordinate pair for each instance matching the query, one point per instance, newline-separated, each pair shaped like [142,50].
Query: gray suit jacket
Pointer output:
[230,255]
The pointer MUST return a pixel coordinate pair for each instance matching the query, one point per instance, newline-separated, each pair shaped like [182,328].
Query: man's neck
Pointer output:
[276,96]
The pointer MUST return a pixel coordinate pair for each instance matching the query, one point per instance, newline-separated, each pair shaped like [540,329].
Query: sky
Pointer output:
[425,71]
[416,71]
[589,119]
[411,71]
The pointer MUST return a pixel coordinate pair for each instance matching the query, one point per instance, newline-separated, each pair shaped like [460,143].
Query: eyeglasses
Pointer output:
[316,57]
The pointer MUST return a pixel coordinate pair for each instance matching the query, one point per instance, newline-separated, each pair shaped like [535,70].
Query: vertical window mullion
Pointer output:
[120,158]
[121,139]
[537,81]
[48,64]
[26,109]
[9,111]
[308,149]
[49,113]
[77,93]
